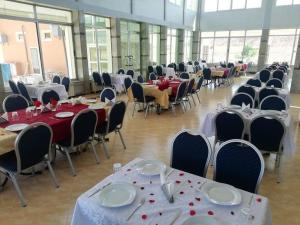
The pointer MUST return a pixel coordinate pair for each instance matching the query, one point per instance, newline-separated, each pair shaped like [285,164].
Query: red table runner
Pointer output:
[60,126]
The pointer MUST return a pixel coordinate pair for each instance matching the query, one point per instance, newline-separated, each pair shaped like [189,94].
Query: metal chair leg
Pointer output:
[105,147]
[52,174]
[182,107]
[173,109]
[122,140]
[70,162]
[133,109]
[95,153]
[146,112]
[193,99]
[198,98]
[18,190]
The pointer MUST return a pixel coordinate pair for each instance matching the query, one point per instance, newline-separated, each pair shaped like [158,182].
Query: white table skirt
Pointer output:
[208,129]
[36,91]
[157,210]
[189,68]
[118,81]
[169,71]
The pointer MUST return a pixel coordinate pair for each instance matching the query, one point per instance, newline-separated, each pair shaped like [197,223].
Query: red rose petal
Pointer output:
[191,204]
[210,213]
[134,182]
[160,213]
[189,181]
[181,174]
[151,201]
[144,216]
[151,194]
[181,192]
[142,188]
[192,212]
[128,170]
[178,181]
[258,199]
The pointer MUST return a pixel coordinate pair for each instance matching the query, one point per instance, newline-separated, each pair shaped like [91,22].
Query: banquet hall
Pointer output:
[155,112]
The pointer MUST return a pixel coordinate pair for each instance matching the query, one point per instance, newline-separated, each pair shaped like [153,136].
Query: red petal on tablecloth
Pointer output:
[192,212]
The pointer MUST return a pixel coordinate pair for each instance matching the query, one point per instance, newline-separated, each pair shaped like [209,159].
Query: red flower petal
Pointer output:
[181,174]
[151,194]
[258,199]
[191,204]
[210,213]
[198,199]
[178,181]
[142,188]
[160,213]
[189,181]
[181,192]
[134,182]
[151,200]
[192,212]
[128,169]
[144,216]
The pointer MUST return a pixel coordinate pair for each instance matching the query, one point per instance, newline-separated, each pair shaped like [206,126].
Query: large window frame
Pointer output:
[231,5]
[172,36]
[187,47]
[154,44]
[285,2]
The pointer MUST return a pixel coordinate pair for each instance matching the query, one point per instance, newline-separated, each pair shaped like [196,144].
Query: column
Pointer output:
[115,44]
[196,45]
[145,49]
[295,85]
[180,45]
[163,45]
[80,54]
[263,49]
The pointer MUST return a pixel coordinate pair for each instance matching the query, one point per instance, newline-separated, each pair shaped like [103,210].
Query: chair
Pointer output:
[174,66]
[254,82]
[150,69]
[97,79]
[83,128]
[56,79]
[27,154]
[181,67]
[242,98]
[152,76]
[266,133]
[229,125]
[114,123]
[275,83]
[264,75]
[240,164]
[190,63]
[207,75]
[265,92]
[121,71]
[130,72]
[23,91]
[13,87]
[171,65]
[107,93]
[283,68]
[159,71]
[178,99]
[229,65]
[48,95]
[196,63]
[191,153]
[247,89]
[140,79]
[127,83]
[14,102]
[198,87]
[279,74]
[184,76]
[189,92]
[139,97]
[273,102]
[107,80]
[66,82]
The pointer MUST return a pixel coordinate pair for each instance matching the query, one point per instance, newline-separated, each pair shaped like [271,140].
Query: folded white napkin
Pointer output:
[107,101]
[5,116]
[245,106]
[163,170]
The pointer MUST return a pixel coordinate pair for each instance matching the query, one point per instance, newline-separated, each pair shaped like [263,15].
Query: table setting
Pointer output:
[149,192]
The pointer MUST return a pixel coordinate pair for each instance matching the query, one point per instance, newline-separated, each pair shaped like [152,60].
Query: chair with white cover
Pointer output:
[274,82]
[56,79]
[264,75]
[242,98]
[273,102]
[107,94]
[279,74]
[265,92]
[254,82]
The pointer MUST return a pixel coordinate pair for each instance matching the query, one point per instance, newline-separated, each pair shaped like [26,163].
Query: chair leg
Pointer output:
[122,140]
[52,174]
[173,109]
[133,109]
[17,187]
[105,147]
[95,153]
[193,99]
[182,106]
[198,98]
[278,167]
[146,111]
[70,161]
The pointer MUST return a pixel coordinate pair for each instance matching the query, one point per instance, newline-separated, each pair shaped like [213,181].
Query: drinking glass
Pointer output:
[28,113]
[117,167]
[15,116]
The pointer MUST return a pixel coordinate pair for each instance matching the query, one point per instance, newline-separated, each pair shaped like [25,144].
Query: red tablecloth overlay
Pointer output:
[60,126]
[165,84]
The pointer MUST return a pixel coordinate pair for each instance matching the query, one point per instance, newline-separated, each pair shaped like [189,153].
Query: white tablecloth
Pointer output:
[208,128]
[157,210]
[189,68]
[36,91]
[118,81]
[168,71]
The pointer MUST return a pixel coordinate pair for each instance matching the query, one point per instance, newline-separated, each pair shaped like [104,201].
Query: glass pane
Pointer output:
[253,32]
[238,33]
[251,50]
[192,5]
[173,49]
[93,54]
[238,4]
[284,2]
[280,48]
[222,33]
[253,4]
[207,49]
[210,5]
[283,32]
[53,14]
[19,51]
[58,55]
[89,34]
[101,36]
[207,34]
[16,9]
[220,50]
[100,22]
[236,49]
[93,67]
[224,5]
[104,67]
[103,53]
[88,20]
[296,2]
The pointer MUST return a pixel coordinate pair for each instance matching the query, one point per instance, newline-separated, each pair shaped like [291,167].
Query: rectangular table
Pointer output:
[36,90]
[157,210]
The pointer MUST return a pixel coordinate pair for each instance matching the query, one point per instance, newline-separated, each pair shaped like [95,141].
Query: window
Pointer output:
[253,4]
[188,40]
[219,5]
[192,5]
[238,4]
[46,35]
[19,36]
[171,45]
[287,2]
[224,5]
[176,2]
[154,42]
[211,5]
[98,43]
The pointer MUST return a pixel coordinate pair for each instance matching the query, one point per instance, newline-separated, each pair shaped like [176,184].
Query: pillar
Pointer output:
[115,44]
[163,45]
[295,85]
[180,45]
[145,49]
[196,45]
[263,49]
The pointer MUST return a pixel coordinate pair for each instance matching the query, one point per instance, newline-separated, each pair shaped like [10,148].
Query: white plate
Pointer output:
[91,100]
[16,127]
[96,106]
[204,220]
[64,114]
[149,167]
[117,195]
[222,194]
[63,101]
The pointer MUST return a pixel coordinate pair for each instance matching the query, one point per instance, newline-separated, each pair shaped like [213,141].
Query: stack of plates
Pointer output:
[149,167]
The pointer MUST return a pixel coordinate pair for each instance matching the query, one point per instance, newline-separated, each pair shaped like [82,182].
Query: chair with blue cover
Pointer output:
[23,91]
[127,83]
[56,79]
[279,74]
[254,82]
[181,67]
[13,87]
[150,69]
[107,93]
[66,82]
[48,95]
[207,75]
[264,75]
[240,164]
[179,98]
[283,68]
[107,80]
[152,76]
[242,98]
[273,102]
[196,63]
[184,75]
[83,127]
[140,79]
[121,71]
[266,133]
[175,66]
[189,92]
[140,98]
[171,65]
[97,79]
[130,72]
[191,153]
[265,92]
[159,71]
[14,102]
[114,123]
[196,91]
[274,82]
[247,89]
[28,154]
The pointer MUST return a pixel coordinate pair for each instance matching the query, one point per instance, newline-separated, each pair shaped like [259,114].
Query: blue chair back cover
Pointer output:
[274,82]
[181,67]
[48,95]
[199,84]
[247,89]
[241,98]
[137,92]
[184,76]
[23,91]
[254,82]
[121,71]
[181,91]
[150,69]
[66,82]
[207,73]
[127,82]
[264,75]
[130,72]
[14,102]
[107,93]
[265,92]
[273,103]
[97,78]
[140,79]
[159,71]
[152,76]
[116,116]
[13,87]
[106,79]
[279,74]
[190,153]
[56,79]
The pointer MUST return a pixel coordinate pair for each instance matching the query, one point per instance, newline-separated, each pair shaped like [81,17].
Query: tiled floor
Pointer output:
[147,138]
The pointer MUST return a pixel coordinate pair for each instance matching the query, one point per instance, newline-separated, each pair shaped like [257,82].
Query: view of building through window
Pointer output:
[171,45]
[154,42]
[187,48]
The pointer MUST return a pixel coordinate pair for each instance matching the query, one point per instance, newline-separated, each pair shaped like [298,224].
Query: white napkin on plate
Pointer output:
[163,170]
[245,106]
[107,101]
[5,116]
